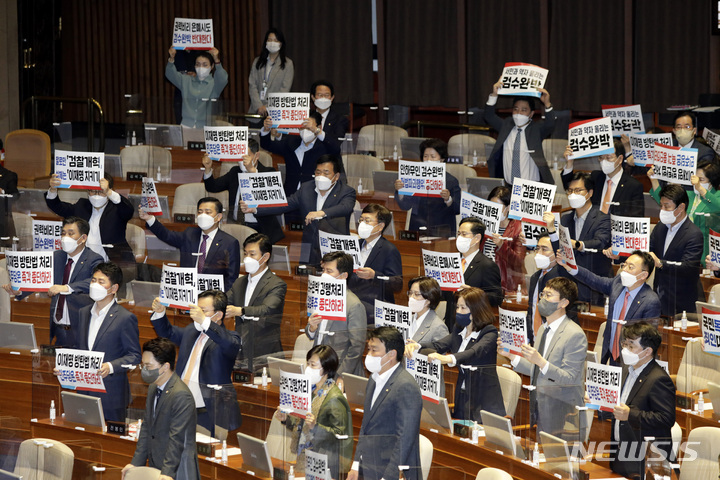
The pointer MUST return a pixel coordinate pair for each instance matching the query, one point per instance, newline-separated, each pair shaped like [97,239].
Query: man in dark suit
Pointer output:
[621,194]
[647,403]
[107,327]
[206,357]
[325,204]
[8,186]
[300,152]
[334,125]
[676,245]
[380,275]
[520,156]
[389,434]
[630,298]
[589,230]
[685,129]
[257,300]
[167,437]
[204,246]
[231,181]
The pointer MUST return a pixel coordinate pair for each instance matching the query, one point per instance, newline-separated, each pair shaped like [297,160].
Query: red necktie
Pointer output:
[61,300]
[616,340]
[203,248]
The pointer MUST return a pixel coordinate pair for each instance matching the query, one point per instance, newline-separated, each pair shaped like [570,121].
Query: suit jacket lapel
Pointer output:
[679,237]
[375,251]
[589,220]
[107,321]
[635,304]
[77,270]
[639,382]
[385,390]
[556,337]
[215,247]
[260,286]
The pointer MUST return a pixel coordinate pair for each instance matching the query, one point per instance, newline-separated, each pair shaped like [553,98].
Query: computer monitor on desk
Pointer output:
[17,335]
[277,364]
[163,135]
[557,456]
[384,181]
[83,409]
[255,454]
[499,434]
[355,388]
[482,186]
[437,415]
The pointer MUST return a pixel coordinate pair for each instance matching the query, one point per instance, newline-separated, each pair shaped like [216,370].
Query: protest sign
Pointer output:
[178,287]
[445,268]
[488,212]
[295,393]
[591,138]
[629,234]
[532,232]
[522,80]
[262,189]
[603,384]
[149,200]
[316,466]
[288,110]
[513,330]
[714,240]
[710,324]
[427,374]
[530,200]
[46,234]
[30,271]
[625,118]
[210,281]
[421,179]
[350,244]
[327,297]
[566,246]
[643,146]
[675,164]
[193,34]
[79,169]
[226,143]
[391,315]
[712,138]
[78,369]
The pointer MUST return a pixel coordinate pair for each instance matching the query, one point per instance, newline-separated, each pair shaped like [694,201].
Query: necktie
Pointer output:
[462,264]
[536,373]
[194,358]
[61,299]
[537,319]
[616,340]
[605,207]
[203,248]
[516,156]
[158,392]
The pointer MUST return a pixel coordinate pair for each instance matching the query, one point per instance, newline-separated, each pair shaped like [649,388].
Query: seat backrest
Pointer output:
[490,473]
[28,153]
[279,440]
[46,459]
[440,309]
[697,368]
[705,441]
[598,343]
[302,345]
[142,473]
[464,144]
[23,230]
[187,196]
[426,455]
[240,232]
[461,172]
[554,148]
[146,158]
[381,139]
[510,385]
[135,236]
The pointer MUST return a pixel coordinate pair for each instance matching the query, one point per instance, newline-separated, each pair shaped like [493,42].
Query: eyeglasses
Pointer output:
[579,191]
[416,295]
[683,127]
[547,295]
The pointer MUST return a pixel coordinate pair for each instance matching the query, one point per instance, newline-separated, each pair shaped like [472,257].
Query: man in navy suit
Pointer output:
[589,230]
[204,246]
[334,125]
[107,327]
[630,298]
[685,129]
[206,356]
[380,274]
[325,203]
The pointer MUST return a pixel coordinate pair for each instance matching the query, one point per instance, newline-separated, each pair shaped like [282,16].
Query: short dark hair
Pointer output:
[479,306]
[253,145]
[344,261]
[711,171]
[529,100]
[328,359]
[328,158]
[391,338]
[206,54]
[686,113]
[110,270]
[619,148]
[676,194]
[218,203]
[318,83]
[82,225]
[162,349]
[219,299]
[477,227]
[429,288]
[503,193]
[647,260]
[436,144]
[263,242]
[383,214]
[565,287]
[646,333]
[110,179]
[545,234]
[585,177]
[316,116]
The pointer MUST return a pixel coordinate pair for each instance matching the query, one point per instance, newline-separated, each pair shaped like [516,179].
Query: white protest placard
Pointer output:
[522,79]
[629,234]
[288,110]
[149,200]
[488,212]
[675,164]
[421,179]
[193,34]
[427,374]
[590,138]
[350,244]
[79,169]
[712,138]
[262,189]
[391,315]
[513,330]
[210,281]
[295,393]
[625,118]
[566,246]
[78,369]
[327,297]
[603,384]
[46,234]
[710,325]
[316,466]
[530,200]
[532,232]
[226,143]
[714,241]
[178,287]
[30,271]
[643,146]
[444,267]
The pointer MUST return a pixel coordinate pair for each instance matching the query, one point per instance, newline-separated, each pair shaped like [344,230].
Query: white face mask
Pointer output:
[463,244]
[607,167]
[322,103]
[97,201]
[503,215]
[68,244]
[314,374]
[415,305]
[684,136]
[373,364]
[306,135]
[202,72]
[576,200]
[627,279]
[706,186]
[520,119]
[327,276]
[541,261]
[364,230]
[251,265]
[323,183]
[273,47]
[97,292]
[242,166]
[205,221]
[667,217]
[630,358]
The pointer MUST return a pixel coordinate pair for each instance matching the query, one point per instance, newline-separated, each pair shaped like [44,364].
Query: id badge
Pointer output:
[263,93]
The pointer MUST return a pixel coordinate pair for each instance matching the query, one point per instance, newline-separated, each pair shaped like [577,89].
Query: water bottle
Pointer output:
[536,455]
[291,473]
[683,321]
[475,433]
[474,158]
[52,411]
[158,175]
[518,295]
[711,299]
[264,377]
[133,141]
[395,153]
[360,187]
[607,306]
[701,404]
[224,451]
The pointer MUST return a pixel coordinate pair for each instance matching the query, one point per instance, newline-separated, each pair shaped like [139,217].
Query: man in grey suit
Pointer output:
[346,338]
[390,431]
[556,367]
[167,437]
[257,301]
